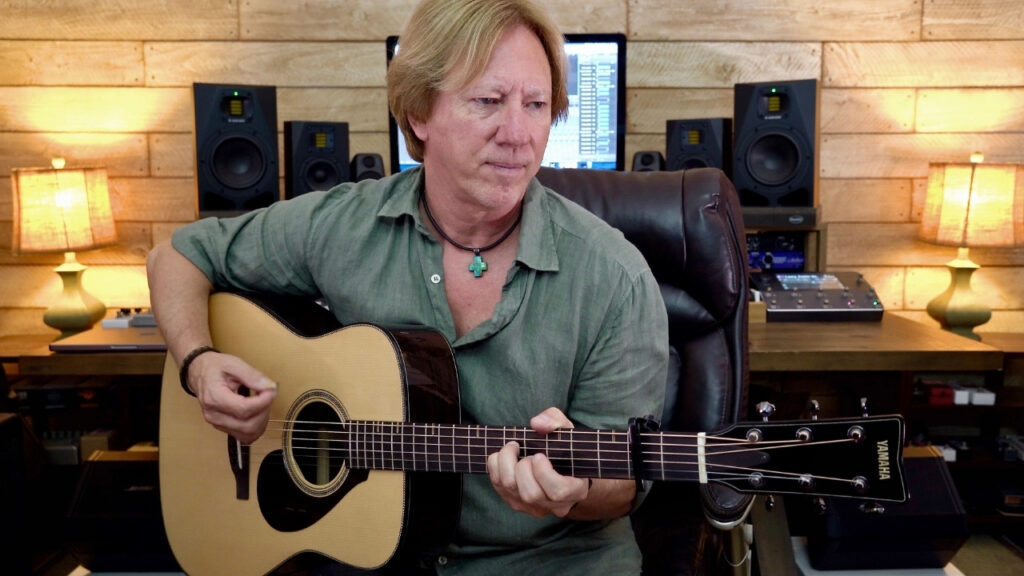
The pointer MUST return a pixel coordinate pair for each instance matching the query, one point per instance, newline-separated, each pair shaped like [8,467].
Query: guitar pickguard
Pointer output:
[287,508]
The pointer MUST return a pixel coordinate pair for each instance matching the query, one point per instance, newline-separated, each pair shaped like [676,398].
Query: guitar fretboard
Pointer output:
[464,449]
[455,448]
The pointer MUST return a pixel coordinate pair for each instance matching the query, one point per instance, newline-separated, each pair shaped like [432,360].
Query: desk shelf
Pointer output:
[836,363]
[67,394]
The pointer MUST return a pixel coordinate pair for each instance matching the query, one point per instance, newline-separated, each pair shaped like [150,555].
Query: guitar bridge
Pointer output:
[238,456]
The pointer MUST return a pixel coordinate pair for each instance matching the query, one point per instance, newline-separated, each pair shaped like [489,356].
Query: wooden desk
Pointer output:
[893,344]
[33,357]
[1012,345]
[118,390]
[838,363]
[46,363]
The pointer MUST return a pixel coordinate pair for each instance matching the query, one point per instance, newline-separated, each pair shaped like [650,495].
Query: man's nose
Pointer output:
[514,126]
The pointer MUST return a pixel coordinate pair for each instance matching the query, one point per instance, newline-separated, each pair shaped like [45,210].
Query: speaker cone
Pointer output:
[238,162]
[322,175]
[773,159]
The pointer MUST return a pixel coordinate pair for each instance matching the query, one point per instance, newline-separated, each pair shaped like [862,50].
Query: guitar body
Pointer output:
[248,509]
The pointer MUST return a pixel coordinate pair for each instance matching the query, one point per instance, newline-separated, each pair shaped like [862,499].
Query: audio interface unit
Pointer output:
[803,297]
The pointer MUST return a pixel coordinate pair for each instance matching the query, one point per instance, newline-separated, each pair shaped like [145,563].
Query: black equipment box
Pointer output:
[808,297]
[924,532]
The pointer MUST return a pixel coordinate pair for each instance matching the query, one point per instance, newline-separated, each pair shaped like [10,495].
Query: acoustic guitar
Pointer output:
[364,453]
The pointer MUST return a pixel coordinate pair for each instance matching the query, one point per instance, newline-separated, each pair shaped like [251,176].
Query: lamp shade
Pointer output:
[58,210]
[970,205]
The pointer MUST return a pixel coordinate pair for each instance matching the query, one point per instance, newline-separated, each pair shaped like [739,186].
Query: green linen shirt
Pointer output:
[580,325]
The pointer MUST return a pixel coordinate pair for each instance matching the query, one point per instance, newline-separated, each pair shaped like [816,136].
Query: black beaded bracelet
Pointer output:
[183,373]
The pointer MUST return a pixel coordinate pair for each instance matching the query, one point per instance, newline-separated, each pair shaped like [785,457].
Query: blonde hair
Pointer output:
[448,43]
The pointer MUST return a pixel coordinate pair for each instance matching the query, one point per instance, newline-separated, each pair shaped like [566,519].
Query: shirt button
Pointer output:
[435,278]
[442,560]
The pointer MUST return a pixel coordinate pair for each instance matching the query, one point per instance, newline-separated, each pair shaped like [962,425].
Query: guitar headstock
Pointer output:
[844,457]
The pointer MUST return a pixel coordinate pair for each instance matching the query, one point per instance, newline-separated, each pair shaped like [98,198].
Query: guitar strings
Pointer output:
[379,458]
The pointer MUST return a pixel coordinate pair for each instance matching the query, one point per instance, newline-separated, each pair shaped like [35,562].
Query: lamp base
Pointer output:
[959,309]
[75,309]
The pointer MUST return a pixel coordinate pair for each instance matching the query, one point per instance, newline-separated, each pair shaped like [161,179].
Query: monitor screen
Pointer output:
[593,135]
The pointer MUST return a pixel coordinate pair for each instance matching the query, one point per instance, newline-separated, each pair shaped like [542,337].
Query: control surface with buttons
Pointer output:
[807,296]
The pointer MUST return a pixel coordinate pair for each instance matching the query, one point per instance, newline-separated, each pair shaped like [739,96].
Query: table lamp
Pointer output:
[58,210]
[970,205]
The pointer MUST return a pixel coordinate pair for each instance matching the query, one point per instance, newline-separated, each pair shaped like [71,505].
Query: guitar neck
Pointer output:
[416,447]
[859,458]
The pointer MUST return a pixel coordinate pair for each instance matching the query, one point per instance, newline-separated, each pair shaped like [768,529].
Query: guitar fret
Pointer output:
[414,450]
[428,432]
[661,454]
[358,457]
[437,453]
[374,440]
[451,432]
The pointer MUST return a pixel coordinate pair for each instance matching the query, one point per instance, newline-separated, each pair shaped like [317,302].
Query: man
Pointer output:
[555,319]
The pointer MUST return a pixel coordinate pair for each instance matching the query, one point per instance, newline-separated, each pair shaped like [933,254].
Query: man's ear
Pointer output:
[418,127]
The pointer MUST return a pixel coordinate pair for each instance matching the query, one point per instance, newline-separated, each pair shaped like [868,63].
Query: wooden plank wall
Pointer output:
[904,82]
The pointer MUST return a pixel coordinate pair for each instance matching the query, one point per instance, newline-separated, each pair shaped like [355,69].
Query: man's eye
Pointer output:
[487,101]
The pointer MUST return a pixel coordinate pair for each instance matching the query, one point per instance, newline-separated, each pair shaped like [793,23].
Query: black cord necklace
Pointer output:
[478,266]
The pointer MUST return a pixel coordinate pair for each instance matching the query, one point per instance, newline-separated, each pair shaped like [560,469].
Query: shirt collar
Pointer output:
[536,238]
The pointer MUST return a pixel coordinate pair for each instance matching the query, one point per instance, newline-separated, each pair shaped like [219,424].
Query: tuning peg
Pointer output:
[769,502]
[765,409]
[815,409]
[820,506]
[864,406]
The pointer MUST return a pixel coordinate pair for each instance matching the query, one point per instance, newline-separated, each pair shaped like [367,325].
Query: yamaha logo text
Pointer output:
[883,460]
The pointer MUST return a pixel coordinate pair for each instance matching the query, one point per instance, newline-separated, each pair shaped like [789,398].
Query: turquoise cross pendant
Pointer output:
[478,266]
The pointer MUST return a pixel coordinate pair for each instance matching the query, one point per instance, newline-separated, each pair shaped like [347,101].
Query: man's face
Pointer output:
[486,141]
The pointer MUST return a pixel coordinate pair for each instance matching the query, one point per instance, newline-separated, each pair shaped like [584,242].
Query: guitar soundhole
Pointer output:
[315,443]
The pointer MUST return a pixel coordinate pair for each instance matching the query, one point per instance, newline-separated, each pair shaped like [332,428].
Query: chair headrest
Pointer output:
[687,224]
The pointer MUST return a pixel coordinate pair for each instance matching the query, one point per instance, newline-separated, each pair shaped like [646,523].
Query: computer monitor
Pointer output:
[593,135]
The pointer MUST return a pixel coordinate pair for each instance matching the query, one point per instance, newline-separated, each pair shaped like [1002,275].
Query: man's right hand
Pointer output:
[235,397]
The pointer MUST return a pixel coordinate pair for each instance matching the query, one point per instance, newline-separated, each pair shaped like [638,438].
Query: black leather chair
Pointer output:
[689,226]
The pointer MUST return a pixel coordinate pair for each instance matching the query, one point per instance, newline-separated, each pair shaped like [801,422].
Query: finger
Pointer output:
[550,420]
[507,458]
[557,487]
[240,373]
[530,491]
[245,431]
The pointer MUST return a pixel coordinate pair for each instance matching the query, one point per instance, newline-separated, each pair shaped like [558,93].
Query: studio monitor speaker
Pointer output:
[648,161]
[775,162]
[316,156]
[367,166]
[236,148]
[699,143]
